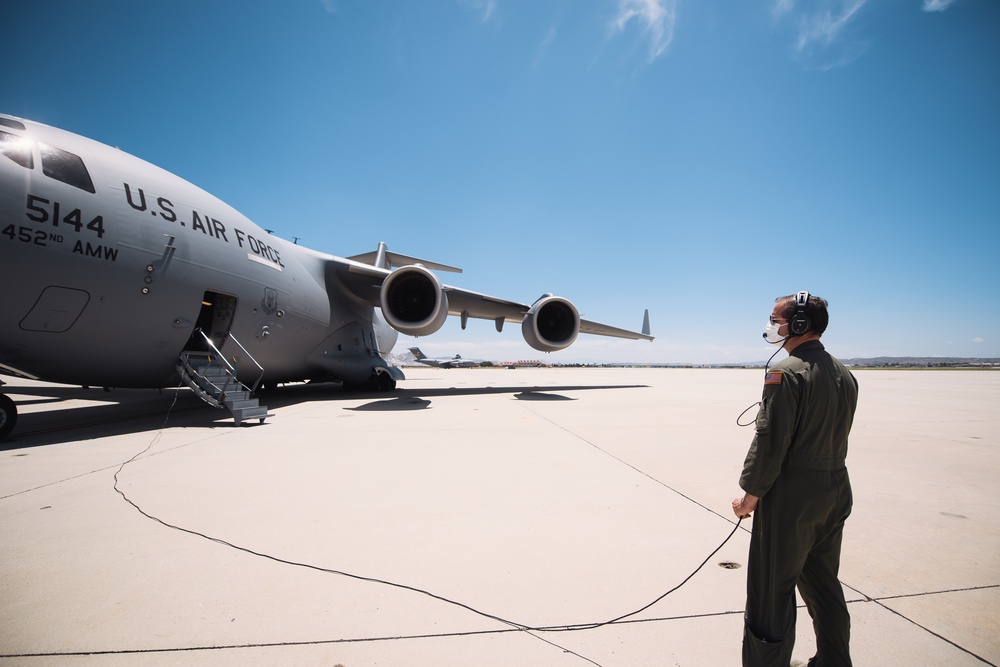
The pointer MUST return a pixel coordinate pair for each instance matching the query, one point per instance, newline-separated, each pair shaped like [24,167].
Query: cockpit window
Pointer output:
[10,122]
[17,149]
[66,167]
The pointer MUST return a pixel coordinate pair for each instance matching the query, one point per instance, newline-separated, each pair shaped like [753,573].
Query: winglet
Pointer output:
[645,323]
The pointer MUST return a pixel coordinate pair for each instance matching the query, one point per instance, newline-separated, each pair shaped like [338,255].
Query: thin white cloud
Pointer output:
[822,38]
[543,47]
[485,8]
[937,5]
[782,7]
[330,6]
[826,26]
[977,339]
[656,19]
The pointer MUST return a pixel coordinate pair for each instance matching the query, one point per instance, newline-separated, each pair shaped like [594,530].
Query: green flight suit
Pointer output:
[796,465]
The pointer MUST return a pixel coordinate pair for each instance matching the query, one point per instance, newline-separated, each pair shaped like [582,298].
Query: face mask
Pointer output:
[771,334]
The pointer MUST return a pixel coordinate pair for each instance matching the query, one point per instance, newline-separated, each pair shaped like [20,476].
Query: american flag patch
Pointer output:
[774,377]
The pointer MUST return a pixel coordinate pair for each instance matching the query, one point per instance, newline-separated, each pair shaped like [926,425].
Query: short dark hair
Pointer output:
[816,309]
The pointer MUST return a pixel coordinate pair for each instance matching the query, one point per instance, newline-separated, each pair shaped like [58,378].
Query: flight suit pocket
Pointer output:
[763,653]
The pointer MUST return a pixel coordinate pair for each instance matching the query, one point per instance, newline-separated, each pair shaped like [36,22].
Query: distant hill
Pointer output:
[920,362]
[858,362]
[923,362]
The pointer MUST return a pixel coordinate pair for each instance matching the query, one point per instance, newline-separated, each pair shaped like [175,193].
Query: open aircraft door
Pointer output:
[214,320]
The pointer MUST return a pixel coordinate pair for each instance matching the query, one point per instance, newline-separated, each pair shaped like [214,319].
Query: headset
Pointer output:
[800,322]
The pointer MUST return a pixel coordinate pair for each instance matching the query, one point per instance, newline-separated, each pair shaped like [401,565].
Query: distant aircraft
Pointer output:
[117,273]
[445,362]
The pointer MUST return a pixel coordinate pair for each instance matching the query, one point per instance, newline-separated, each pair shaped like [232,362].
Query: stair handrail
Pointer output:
[232,369]
[260,376]
[222,358]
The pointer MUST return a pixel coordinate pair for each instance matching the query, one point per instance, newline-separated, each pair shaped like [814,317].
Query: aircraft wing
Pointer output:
[486,307]
[599,329]
[415,302]
[365,282]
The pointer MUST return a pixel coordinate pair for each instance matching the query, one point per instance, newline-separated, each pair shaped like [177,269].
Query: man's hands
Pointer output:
[742,507]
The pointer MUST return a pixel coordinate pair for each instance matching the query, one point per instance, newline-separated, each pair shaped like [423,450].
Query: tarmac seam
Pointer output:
[629,465]
[917,595]
[880,600]
[514,626]
[929,631]
[353,640]
[112,466]
[868,598]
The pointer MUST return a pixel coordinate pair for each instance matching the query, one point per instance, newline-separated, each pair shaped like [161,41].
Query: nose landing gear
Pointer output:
[8,416]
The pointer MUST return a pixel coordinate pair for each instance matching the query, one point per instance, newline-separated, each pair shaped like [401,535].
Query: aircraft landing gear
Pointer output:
[384,382]
[375,382]
[8,416]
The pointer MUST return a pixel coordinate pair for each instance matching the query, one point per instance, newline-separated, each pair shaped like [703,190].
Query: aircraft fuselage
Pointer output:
[110,264]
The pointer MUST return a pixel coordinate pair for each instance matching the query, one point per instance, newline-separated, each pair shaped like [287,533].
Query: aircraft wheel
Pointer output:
[385,382]
[8,416]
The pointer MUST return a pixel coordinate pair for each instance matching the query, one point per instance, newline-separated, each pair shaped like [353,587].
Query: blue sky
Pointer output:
[696,157]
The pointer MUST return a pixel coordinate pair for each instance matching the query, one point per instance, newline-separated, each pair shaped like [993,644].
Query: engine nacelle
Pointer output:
[413,301]
[551,324]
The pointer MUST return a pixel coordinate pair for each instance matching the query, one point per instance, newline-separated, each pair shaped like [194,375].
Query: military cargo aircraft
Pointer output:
[117,273]
[444,362]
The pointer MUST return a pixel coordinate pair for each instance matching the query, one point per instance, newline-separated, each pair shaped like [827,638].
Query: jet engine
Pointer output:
[551,324]
[414,301]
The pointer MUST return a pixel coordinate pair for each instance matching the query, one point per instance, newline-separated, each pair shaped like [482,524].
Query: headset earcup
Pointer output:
[799,324]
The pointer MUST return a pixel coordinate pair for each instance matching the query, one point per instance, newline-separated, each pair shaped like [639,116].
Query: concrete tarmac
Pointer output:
[476,517]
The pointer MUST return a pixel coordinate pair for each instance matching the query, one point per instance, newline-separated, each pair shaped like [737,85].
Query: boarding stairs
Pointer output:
[213,379]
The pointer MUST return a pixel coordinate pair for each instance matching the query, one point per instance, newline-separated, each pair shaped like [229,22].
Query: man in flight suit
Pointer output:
[798,490]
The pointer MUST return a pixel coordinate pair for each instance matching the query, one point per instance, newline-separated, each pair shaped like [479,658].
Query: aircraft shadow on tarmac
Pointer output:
[122,411]
[416,403]
[533,395]
[394,404]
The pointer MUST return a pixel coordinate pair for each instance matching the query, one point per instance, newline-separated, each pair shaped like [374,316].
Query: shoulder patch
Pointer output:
[773,377]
